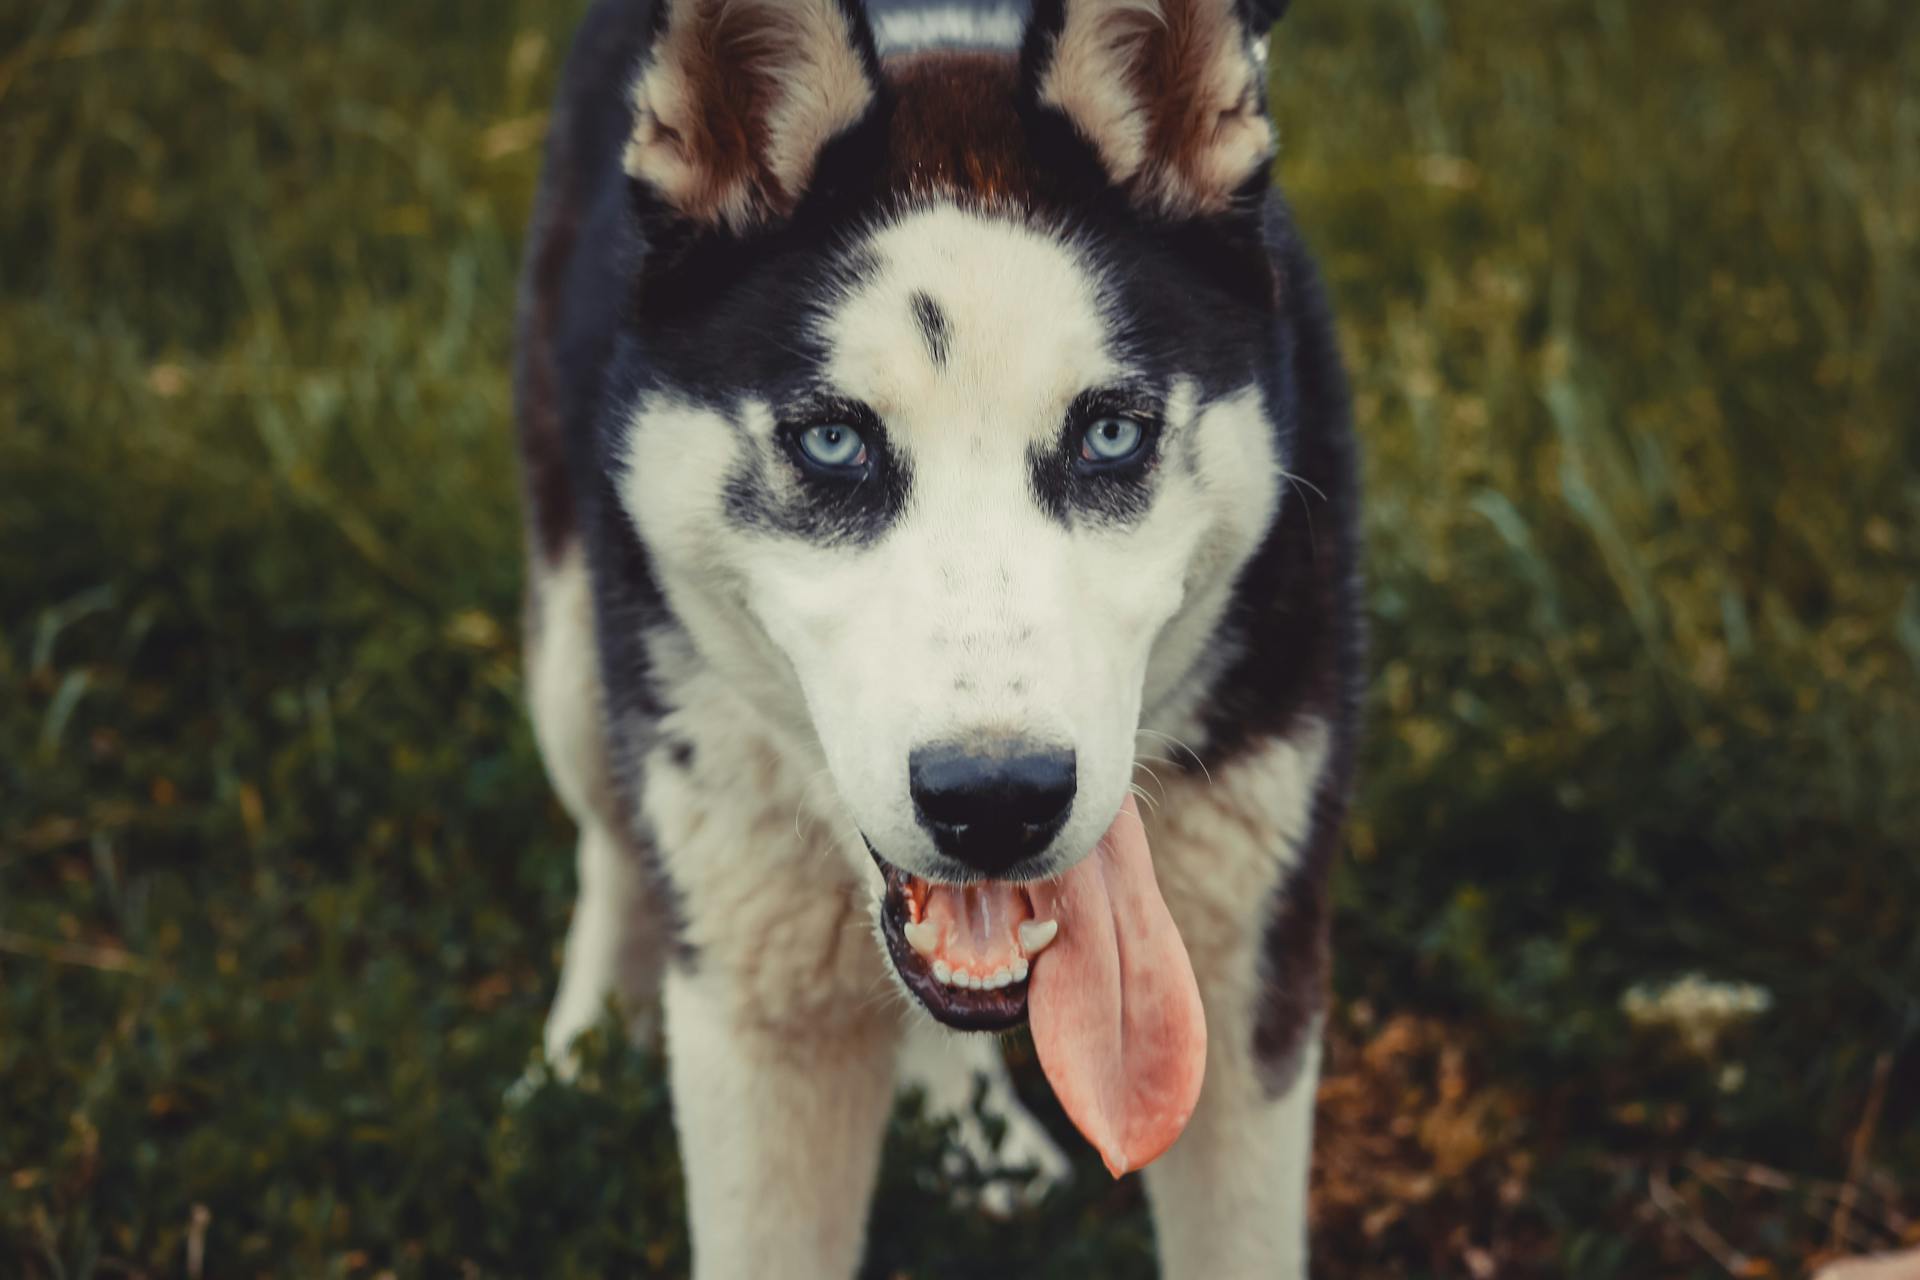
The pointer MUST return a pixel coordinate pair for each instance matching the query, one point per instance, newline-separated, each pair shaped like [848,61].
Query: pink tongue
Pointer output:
[1113,1005]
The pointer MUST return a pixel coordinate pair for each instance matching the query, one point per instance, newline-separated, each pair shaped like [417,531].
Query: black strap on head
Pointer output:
[1267,12]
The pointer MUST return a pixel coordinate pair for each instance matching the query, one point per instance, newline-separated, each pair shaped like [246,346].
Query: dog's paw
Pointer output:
[560,1056]
[1000,1157]
[571,1027]
[558,1063]
[530,1082]
[1000,1148]
[1025,1166]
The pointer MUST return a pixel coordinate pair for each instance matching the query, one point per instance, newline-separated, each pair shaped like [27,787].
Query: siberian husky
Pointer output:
[941,525]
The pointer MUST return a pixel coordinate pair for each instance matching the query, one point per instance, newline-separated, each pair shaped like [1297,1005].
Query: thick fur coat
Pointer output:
[936,452]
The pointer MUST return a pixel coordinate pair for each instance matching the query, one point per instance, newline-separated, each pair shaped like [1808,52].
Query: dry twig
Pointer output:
[107,959]
[1863,1137]
[1711,1242]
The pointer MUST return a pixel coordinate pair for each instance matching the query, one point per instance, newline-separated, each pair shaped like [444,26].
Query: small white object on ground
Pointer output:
[1891,1266]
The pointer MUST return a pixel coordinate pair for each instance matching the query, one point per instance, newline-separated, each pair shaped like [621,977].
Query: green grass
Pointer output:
[1632,299]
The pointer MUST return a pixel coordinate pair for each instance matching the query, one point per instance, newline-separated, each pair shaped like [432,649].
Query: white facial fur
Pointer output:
[975,612]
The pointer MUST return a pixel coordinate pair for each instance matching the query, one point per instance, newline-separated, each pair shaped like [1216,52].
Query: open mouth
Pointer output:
[965,951]
[1092,960]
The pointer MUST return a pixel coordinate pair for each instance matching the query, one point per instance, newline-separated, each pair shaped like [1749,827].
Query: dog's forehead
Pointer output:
[962,309]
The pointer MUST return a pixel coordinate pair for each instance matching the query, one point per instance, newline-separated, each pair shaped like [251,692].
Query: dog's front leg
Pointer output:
[1230,1198]
[780,1129]
[1241,858]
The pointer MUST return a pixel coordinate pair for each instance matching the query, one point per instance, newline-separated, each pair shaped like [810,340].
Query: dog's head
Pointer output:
[961,402]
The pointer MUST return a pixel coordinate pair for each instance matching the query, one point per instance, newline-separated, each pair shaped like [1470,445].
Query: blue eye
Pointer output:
[833,445]
[1112,440]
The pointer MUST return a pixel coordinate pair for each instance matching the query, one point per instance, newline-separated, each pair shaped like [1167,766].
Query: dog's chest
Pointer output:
[756,845]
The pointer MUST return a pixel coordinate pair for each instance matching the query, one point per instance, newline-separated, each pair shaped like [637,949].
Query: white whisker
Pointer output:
[1179,745]
[1138,764]
[801,804]
[1313,540]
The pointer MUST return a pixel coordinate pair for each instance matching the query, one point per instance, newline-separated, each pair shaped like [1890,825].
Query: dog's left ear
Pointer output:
[1168,93]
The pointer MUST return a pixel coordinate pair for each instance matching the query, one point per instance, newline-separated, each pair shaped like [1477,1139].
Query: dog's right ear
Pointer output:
[737,100]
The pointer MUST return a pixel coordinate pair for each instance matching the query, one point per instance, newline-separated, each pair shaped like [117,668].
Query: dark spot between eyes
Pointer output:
[935,330]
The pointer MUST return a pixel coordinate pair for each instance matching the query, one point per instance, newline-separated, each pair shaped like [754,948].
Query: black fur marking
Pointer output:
[1295,620]
[861,29]
[1044,25]
[1296,617]
[1072,491]
[854,515]
[1263,14]
[627,606]
[1297,947]
[935,330]
[561,353]
[580,248]
[781,494]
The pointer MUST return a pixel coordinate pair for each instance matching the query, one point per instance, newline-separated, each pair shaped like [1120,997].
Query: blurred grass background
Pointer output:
[1631,295]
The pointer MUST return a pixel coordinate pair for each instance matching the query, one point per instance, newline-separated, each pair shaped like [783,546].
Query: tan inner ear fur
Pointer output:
[1169,94]
[739,97]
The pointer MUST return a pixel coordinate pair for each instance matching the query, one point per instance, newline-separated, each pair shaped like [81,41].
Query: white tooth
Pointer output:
[1020,970]
[923,937]
[1002,977]
[1036,934]
[973,982]
[941,973]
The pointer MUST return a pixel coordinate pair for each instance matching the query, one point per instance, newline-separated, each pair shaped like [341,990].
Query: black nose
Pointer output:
[991,805]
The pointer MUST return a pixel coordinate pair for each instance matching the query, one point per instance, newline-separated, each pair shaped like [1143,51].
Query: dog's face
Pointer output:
[958,416]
